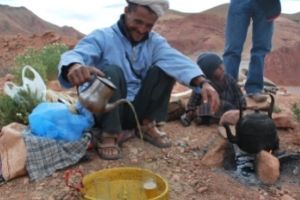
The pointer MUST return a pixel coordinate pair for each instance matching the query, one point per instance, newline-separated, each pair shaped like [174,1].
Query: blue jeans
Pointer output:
[239,16]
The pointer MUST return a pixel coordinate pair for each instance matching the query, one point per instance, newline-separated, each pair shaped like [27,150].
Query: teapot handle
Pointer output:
[241,108]
[270,111]
[230,136]
[89,83]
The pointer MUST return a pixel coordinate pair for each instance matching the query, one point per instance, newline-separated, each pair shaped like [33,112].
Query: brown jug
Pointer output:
[96,95]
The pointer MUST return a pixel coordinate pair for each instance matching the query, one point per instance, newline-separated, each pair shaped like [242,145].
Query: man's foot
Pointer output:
[124,136]
[108,148]
[258,97]
[155,136]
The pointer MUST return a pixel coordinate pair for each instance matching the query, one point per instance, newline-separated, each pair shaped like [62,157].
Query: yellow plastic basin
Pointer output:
[124,183]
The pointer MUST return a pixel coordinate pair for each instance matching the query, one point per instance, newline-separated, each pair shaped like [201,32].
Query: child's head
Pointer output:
[211,65]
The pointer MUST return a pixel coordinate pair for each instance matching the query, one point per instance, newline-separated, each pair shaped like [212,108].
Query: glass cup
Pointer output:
[149,186]
[102,189]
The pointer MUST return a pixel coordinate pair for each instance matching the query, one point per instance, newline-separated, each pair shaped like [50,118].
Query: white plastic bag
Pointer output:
[35,85]
[11,89]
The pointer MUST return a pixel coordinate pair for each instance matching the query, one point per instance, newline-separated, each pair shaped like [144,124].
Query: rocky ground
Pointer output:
[189,168]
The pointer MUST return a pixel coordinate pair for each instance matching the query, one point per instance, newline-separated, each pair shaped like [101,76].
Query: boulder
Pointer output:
[267,167]
[215,156]
[284,120]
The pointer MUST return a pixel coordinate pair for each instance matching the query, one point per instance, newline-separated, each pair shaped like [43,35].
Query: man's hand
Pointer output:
[209,94]
[78,74]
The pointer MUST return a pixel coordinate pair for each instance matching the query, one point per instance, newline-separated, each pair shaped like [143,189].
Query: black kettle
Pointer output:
[255,131]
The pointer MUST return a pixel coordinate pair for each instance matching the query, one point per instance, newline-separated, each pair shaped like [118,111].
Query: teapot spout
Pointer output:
[230,136]
[111,106]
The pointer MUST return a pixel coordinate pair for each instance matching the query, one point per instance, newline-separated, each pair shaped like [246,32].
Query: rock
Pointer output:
[252,104]
[175,178]
[267,167]
[283,120]
[230,117]
[215,156]
[287,197]
[202,189]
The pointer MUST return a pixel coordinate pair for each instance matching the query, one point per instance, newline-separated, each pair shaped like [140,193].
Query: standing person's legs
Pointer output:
[151,105]
[238,19]
[261,45]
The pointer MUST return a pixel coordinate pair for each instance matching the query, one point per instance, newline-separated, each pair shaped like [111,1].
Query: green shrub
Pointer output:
[44,61]
[296,111]
[277,109]
[17,109]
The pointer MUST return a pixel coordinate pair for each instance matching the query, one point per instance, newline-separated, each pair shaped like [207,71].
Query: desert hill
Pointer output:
[189,33]
[20,20]
[220,10]
[283,64]
[193,32]
[295,17]
[21,29]
[205,30]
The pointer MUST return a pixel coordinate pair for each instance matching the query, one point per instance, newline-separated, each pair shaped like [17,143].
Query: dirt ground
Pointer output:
[181,166]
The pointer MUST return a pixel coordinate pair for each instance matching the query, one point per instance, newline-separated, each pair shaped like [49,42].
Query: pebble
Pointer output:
[287,197]
[261,197]
[202,189]
[296,170]
[175,178]
[55,175]
[26,181]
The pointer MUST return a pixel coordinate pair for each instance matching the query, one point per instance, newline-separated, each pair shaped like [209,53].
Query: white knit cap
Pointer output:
[159,7]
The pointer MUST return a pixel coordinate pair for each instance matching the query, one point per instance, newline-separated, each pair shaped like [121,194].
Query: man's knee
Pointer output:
[113,72]
[156,71]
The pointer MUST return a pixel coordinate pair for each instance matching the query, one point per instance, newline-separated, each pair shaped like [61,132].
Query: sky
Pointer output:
[88,15]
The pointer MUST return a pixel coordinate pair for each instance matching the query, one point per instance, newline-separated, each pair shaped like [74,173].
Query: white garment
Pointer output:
[157,6]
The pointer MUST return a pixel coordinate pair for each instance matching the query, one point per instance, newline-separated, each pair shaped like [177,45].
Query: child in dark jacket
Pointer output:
[229,92]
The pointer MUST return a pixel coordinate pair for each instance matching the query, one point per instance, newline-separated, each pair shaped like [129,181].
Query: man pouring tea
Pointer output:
[143,67]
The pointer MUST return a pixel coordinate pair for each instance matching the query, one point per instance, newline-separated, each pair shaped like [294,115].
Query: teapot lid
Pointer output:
[107,82]
[256,115]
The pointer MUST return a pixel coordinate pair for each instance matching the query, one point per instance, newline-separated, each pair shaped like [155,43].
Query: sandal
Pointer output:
[157,137]
[108,150]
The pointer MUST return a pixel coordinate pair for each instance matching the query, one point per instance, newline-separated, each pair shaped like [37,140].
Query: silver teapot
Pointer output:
[96,95]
